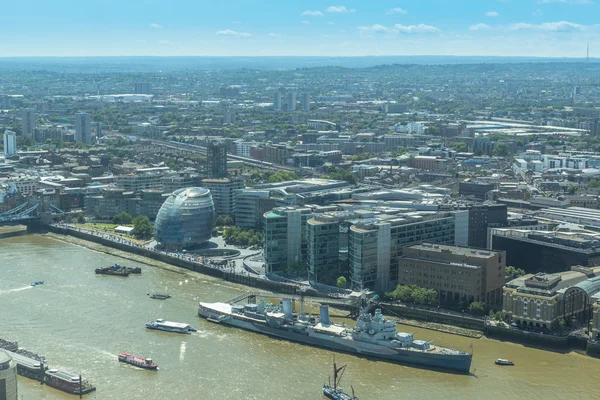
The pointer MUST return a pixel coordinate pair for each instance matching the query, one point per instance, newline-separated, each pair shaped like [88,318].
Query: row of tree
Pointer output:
[242,237]
[224,220]
[413,294]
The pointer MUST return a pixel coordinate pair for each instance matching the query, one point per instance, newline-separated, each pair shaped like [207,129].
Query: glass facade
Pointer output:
[186,219]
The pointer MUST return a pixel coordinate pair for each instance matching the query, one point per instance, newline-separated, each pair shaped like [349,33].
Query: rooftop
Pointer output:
[456,250]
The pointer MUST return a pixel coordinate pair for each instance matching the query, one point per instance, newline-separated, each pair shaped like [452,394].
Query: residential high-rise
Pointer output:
[98,128]
[142,88]
[83,130]
[216,159]
[277,101]
[28,119]
[291,101]
[8,377]
[10,143]
[306,101]
[229,116]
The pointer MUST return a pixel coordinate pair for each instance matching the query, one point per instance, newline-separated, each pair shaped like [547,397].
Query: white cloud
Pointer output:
[571,2]
[339,9]
[229,32]
[492,14]
[479,27]
[560,26]
[397,10]
[376,28]
[537,12]
[312,13]
[398,28]
[155,26]
[421,28]
[305,22]
[272,34]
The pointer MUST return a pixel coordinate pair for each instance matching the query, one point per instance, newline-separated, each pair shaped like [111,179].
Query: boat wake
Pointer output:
[16,290]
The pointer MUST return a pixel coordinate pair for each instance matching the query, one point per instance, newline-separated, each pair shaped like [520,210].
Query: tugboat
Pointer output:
[145,363]
[335,392]
[38,283]
[160,296]
[502,361]
[168,326]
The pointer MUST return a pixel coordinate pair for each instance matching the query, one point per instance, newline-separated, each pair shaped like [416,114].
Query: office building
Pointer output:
[83,129]
[475,190]
[223,192]
[140,180]
[142,88]
[323,247]
[10,143]
[277,101]
[250,206]
[28,121]
[458,274]
[547,251]
[306,101]
[375,245]
[185,220]
[291,101]
[216,159]
[110,202]
[285,237]
[542,299]
[8,377]
[481,216]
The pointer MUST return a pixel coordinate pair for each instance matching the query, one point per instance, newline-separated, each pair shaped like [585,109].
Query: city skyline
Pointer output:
[542,28]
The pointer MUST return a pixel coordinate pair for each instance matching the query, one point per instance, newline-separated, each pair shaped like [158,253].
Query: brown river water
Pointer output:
[81,321]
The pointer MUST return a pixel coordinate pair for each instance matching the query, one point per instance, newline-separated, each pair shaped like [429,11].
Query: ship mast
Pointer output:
[337,370]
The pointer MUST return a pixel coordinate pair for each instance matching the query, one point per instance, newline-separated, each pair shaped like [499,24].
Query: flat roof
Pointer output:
[465,251]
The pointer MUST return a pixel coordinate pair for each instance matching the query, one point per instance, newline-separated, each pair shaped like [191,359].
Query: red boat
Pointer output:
[141,362]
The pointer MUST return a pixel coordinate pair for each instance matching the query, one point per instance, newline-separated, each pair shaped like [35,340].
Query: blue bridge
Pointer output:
[28,212]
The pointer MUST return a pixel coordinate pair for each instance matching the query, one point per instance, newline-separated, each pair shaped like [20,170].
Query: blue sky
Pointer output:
[553,28]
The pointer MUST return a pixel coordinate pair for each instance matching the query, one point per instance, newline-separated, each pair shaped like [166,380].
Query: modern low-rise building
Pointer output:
[250,206]
[458,274]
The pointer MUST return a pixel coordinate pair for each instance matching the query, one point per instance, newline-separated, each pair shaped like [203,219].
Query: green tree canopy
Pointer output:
[341,282]
[122,218]
[142,227]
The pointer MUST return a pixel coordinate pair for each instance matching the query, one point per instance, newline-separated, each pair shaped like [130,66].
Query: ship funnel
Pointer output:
[324,315]
[287,307]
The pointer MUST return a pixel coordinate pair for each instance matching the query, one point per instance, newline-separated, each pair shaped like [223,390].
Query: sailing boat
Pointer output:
[335,392]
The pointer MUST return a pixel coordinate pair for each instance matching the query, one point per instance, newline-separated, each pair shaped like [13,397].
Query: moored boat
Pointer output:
[38,283]
[68,382]
[502,361]
[168,326]
[160,296]
[111,271]
[141,362]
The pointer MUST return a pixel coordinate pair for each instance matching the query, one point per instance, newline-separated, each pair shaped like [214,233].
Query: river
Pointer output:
[80,321]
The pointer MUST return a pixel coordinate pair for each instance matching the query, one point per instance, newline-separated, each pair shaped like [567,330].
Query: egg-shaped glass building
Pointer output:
[186,219]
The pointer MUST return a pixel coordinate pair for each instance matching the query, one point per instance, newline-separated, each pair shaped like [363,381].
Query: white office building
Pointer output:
[83,128]
[10,143]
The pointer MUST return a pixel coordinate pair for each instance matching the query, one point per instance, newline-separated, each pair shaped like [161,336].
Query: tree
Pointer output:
[341,282]
[477,307]
[402,293]
[227,221]
[81,219]
[219,221]
[558,324]
[514,272]
[122,218]
[460,147]
[142,227]
[572,189]
[594,183]
[500,150]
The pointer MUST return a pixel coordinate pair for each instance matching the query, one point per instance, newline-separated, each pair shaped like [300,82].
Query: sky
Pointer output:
[543,28]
